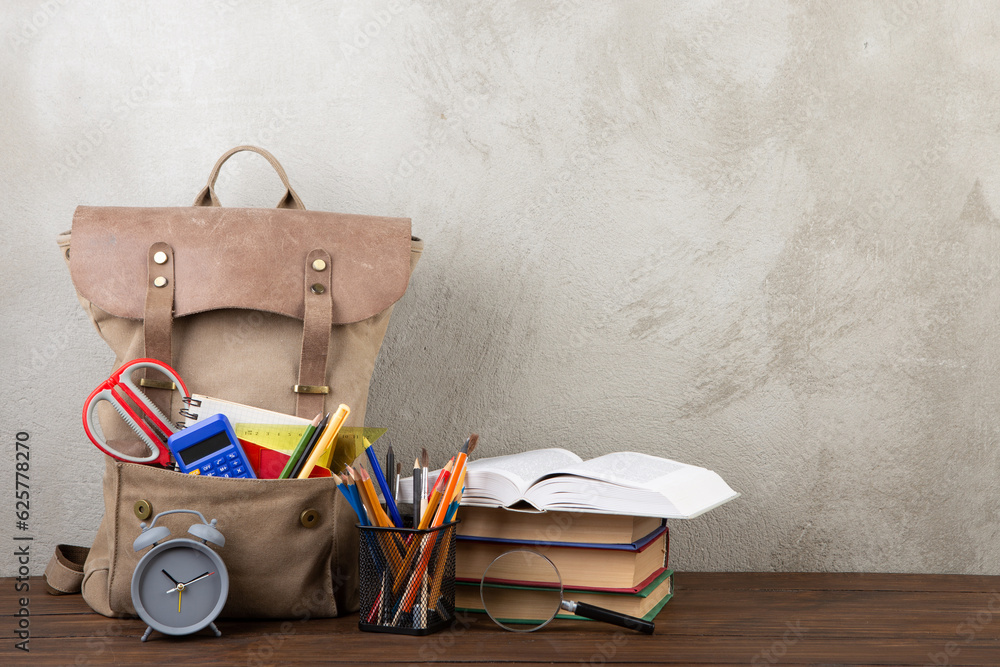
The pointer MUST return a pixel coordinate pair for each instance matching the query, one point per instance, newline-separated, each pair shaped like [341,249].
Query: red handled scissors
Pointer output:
[148,422]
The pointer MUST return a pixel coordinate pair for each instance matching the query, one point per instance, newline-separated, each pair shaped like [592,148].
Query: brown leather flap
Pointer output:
[239,258]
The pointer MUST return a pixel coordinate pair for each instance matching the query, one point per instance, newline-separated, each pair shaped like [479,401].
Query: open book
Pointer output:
[620,483]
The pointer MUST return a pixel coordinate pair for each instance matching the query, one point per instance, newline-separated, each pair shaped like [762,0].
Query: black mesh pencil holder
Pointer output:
[407,579]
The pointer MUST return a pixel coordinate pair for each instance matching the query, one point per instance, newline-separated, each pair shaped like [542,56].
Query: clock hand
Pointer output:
[174,581]
[207,574]
[180,587]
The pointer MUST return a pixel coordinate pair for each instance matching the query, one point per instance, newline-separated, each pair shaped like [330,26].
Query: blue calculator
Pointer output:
[210,448]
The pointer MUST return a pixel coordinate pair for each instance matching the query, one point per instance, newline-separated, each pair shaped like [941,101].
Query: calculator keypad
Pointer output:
[226,465]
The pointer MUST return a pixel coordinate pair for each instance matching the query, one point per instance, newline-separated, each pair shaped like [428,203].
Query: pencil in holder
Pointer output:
[407,583]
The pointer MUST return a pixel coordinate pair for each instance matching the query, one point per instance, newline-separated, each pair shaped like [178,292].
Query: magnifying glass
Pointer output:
[520,608]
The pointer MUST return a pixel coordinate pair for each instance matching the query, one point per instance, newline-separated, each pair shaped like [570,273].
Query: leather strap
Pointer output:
[316,326]
[64,573]
[207,196]
[158,319]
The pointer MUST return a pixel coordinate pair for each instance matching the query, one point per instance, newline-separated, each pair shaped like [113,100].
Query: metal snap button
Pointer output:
[319,265]
[160,281]
[160,257]
[309,518]
[317,288]
[142,509]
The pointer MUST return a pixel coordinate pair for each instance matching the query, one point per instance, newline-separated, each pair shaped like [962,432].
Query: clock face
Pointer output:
[180,586]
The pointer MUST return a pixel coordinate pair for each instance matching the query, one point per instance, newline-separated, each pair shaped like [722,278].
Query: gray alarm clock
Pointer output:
[179,586]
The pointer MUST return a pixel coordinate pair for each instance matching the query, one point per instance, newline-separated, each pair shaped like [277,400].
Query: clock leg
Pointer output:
[146,634]
[215,629]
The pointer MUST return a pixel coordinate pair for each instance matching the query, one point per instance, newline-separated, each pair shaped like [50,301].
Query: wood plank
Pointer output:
[774,581]
[715,618]
[830,614]
[865,613]
[550,647]
[829,581]
[685,581]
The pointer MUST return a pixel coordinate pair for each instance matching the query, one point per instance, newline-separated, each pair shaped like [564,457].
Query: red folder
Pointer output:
[268,463]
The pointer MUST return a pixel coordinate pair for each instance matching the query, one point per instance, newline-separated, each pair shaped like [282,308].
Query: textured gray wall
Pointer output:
[759,238]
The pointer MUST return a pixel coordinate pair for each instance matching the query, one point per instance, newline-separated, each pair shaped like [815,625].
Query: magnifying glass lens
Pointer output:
[519,608]
[513,606]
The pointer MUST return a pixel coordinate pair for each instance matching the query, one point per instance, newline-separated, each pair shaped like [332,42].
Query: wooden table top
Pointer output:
[714,618]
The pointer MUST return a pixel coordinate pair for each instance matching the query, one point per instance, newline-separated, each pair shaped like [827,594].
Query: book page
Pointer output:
[524,468]
[520,470]
[632,483]
[625,468]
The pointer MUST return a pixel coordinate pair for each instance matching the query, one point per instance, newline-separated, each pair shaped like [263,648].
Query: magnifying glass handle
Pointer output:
[608,616]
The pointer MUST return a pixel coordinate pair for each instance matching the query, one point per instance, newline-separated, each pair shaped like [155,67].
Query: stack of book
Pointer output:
[602,523]
[611,561]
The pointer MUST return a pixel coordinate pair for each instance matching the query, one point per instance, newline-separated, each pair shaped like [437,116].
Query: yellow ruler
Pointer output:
[272,436]
[351,441]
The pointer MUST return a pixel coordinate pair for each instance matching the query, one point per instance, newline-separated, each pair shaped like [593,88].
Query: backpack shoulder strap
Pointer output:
[64,573]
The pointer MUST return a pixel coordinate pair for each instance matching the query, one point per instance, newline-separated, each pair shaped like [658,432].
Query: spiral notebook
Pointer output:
[199,406]
[278,431]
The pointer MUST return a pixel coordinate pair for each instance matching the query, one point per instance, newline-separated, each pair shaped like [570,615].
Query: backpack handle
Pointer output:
[207,196]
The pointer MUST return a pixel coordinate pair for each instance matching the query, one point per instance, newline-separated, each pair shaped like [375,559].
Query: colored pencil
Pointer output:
[449,494]
[424,461]
[435,496]
[406,603]
[395,487]
[326,440]
[418,486]
[370,499]
[301,447]
[355,499]
[301,460]
[390,466]
[390,504]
